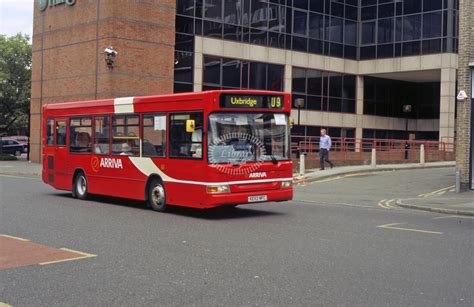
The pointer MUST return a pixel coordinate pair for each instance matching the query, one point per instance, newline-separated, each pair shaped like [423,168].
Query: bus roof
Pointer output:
[138,104]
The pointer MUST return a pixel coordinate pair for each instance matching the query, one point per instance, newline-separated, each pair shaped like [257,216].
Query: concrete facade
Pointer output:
[68,57]
[464,108]
[444,65]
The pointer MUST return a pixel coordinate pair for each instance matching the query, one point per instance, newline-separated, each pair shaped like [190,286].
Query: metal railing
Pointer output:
[390,149]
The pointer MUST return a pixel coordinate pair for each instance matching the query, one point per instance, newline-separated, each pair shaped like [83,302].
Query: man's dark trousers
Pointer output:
[324,156]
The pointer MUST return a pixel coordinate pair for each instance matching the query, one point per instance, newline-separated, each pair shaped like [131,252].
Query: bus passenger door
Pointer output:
[61,163]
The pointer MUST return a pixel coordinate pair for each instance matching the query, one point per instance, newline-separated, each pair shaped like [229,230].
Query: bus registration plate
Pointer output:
[256,198]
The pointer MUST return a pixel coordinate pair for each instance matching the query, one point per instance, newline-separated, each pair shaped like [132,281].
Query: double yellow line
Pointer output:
[437,192]
[386,204]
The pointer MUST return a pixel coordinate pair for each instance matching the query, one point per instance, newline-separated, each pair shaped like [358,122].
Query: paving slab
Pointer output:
[450,203]
[20,168]
[316,174]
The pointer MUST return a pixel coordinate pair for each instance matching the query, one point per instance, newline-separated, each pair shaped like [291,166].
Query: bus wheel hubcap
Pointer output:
[81,187]
[158,195]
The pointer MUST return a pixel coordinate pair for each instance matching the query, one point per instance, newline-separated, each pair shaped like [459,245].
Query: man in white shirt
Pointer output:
[324,148]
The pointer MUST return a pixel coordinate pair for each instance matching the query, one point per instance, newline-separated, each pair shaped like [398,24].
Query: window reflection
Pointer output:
[387,28]
[226,73]
[324,91]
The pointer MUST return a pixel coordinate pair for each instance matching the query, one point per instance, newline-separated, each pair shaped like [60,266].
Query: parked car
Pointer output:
[12,147]
[22,139]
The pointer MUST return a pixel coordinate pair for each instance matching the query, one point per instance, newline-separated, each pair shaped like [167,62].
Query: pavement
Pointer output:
[316,174]
[20,168]
[456,204]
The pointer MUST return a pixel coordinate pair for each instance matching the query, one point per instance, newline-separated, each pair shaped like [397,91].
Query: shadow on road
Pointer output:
[220,213]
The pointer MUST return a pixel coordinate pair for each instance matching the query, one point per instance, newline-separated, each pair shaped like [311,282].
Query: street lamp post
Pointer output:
[407,111]
[299,103]
[29,129]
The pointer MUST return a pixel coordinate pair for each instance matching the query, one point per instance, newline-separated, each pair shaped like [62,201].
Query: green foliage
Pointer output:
[15,83]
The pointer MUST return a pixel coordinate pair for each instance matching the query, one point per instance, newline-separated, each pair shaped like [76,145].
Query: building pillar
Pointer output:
[359,111]
[447,105]
[198,64]
[464,108]
[288,79]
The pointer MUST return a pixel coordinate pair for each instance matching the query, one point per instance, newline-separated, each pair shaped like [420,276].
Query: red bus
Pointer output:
[198,150]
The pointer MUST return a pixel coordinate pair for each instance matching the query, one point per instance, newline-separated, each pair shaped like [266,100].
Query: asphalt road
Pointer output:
[333,245]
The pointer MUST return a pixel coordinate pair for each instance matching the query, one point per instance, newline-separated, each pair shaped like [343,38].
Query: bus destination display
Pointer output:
[251,101]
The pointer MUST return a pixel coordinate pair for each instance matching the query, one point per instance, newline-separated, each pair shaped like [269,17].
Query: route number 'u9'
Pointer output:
[275,102]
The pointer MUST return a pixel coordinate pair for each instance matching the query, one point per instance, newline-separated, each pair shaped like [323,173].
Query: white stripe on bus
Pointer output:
[148,167]
[123,105]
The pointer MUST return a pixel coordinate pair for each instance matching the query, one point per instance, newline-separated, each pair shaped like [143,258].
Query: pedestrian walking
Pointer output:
[324,148]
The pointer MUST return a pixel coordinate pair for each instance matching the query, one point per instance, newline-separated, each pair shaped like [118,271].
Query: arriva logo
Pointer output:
[111,163]
[258,175]
[105,163]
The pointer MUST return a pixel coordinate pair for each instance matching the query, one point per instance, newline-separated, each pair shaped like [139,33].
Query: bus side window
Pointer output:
[154,135]
[101,135]
[80,135]
[185,144]
[125,135]
[61,133]
[50,132]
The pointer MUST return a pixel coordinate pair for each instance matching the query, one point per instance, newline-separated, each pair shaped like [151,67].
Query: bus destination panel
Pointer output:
[230,101]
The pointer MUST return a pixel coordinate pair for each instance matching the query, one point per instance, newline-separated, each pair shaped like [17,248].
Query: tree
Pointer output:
[15,83]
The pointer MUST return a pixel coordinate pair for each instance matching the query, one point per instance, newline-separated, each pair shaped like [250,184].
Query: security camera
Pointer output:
[110,51]
[462,96]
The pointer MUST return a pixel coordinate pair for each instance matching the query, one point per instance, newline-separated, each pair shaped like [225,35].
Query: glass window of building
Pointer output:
[336,30]
[224,73]
[411,27]
[432,24]
[368,33]
[324,91]
[350,32]
[385,30]
[213,9]
[300,22]
[351,29]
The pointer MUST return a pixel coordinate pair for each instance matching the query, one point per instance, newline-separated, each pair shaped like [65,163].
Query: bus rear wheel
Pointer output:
[157,195]
[80,187]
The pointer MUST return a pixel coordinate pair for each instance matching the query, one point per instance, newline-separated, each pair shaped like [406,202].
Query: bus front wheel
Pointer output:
[80,187]
[157,195]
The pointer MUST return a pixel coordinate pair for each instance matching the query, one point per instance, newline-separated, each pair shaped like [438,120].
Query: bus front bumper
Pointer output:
[228,199]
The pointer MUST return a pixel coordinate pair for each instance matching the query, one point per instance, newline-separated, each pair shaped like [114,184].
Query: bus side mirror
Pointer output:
[190,125]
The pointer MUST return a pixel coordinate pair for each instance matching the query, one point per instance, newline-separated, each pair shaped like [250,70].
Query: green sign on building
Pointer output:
[43,4]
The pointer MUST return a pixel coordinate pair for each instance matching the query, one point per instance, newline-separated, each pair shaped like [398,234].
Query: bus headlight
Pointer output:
[218,189]
[286,184]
